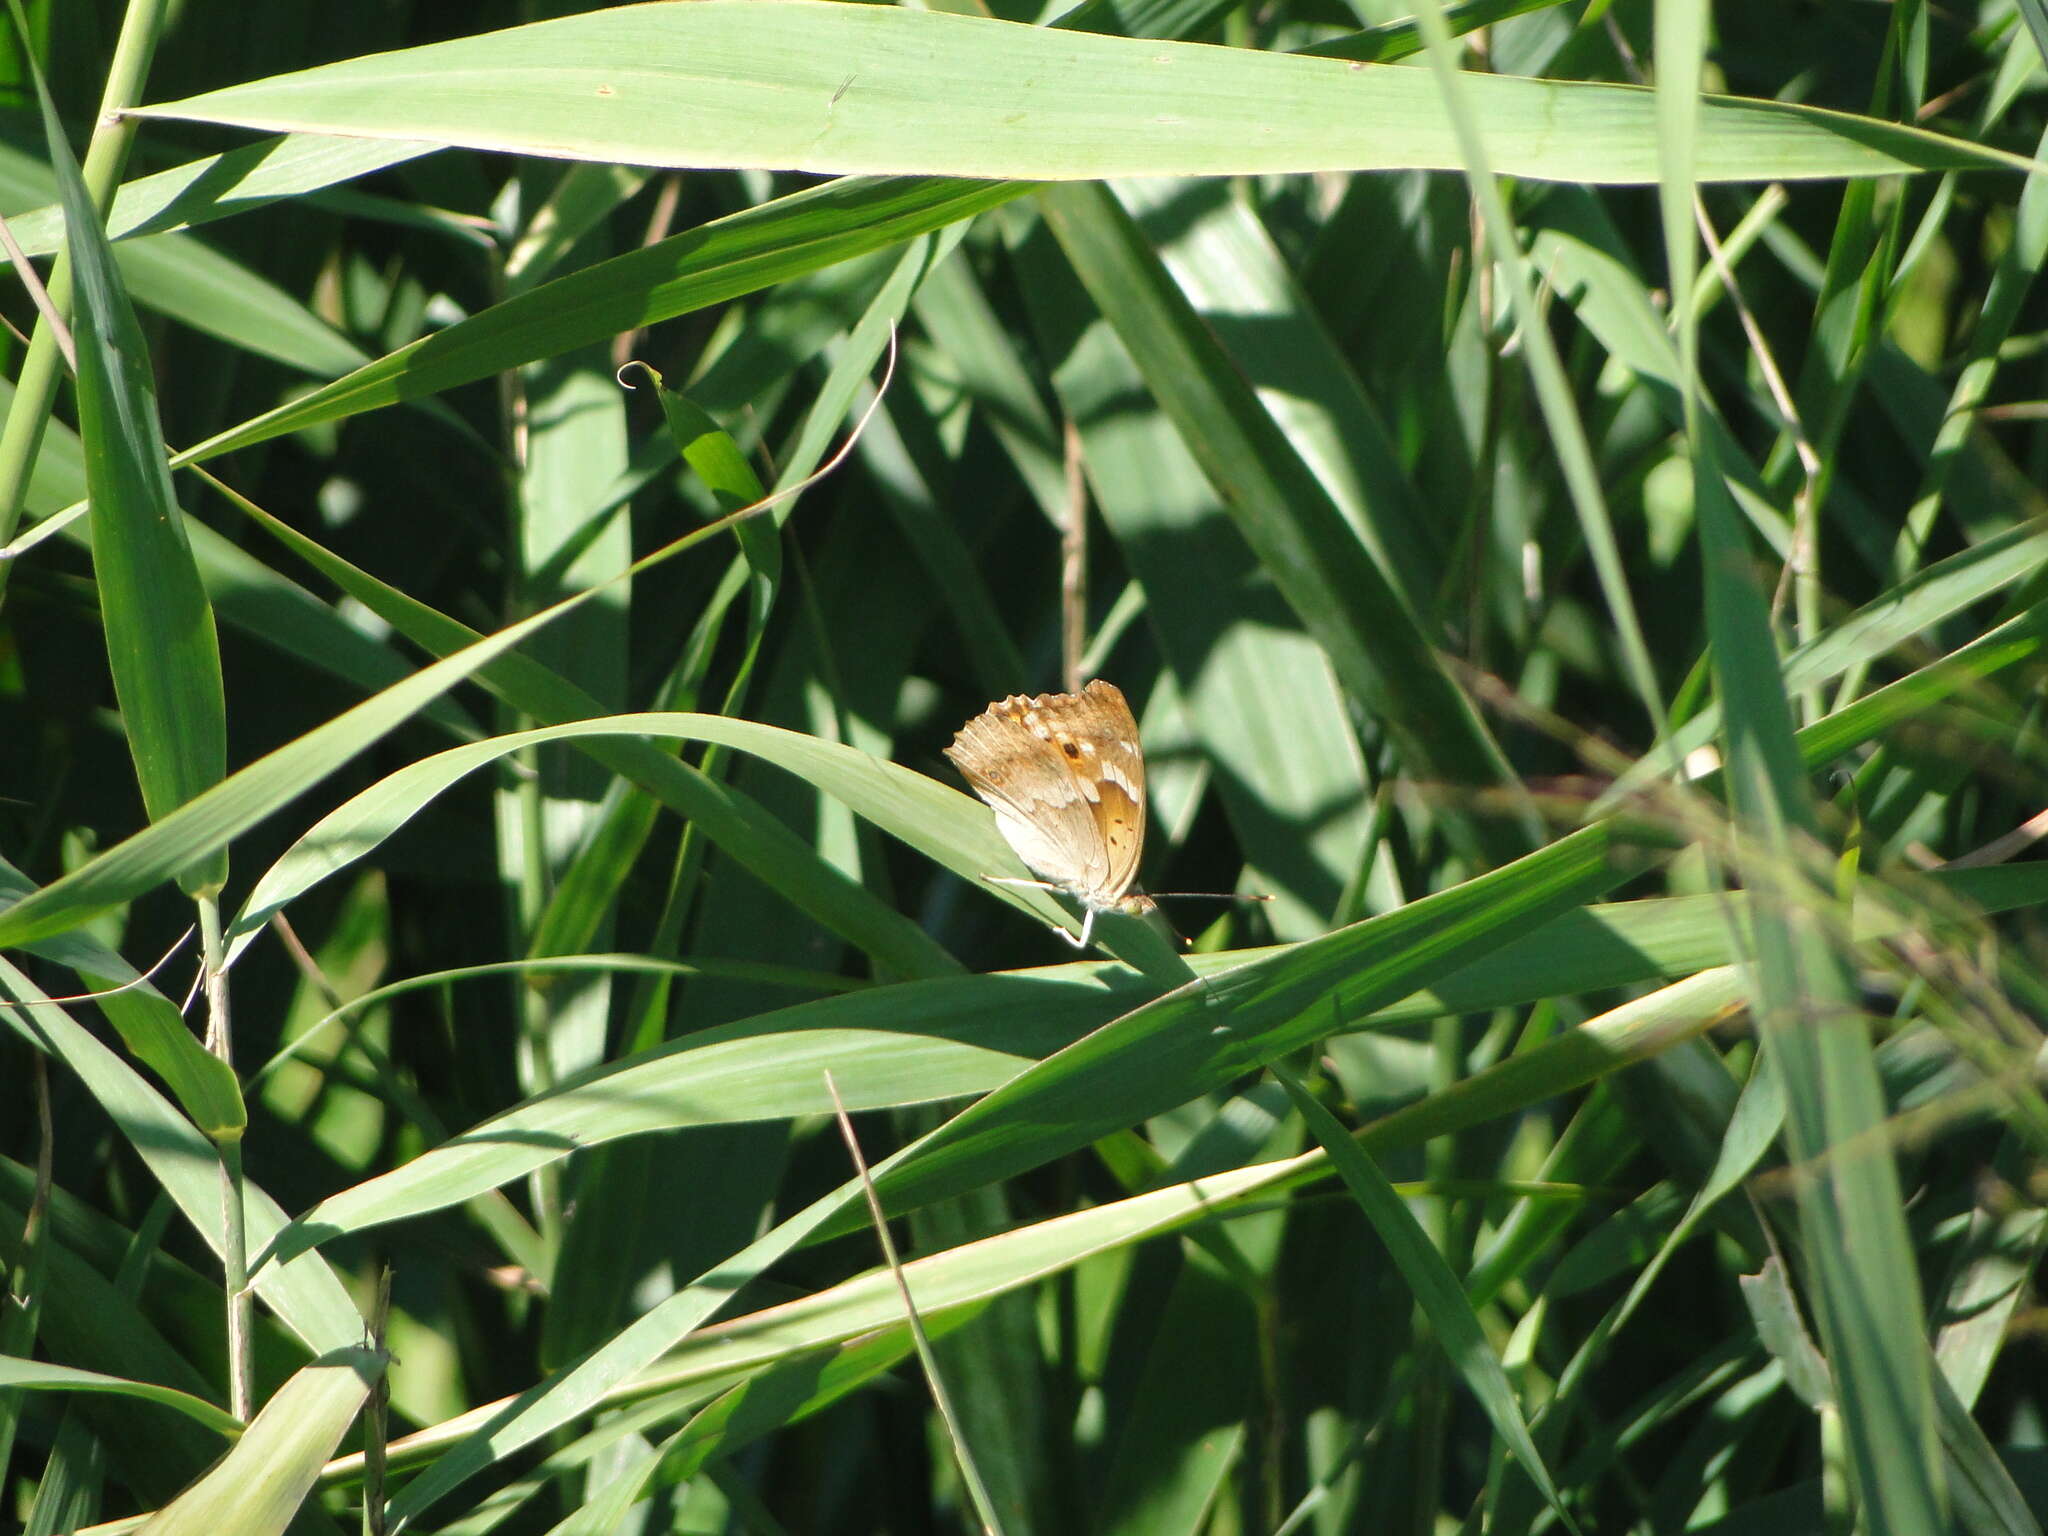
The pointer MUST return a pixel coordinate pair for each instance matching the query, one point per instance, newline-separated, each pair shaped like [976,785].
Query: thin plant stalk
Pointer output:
[234,1229]
[984,1504]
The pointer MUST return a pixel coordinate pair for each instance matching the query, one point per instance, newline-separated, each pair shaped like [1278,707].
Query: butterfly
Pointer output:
[1065,775]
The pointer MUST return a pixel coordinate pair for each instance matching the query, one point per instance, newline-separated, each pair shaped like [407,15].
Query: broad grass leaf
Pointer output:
[161,646]
[850,89]
[259,1486]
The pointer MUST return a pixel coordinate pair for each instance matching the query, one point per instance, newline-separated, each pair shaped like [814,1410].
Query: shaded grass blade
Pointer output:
[1435,1287]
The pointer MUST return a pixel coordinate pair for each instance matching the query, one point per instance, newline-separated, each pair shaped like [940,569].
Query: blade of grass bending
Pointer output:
[261,788]
[37,1375]
[216,816]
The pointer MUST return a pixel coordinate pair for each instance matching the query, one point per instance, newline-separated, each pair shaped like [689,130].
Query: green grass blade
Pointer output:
[1866,1285]
[884,90]
[722,260]
[222,185]
[305,1294]
[259,1486]
[38,1376]
[203,826]
[160,640]
[1435,1287]
[1312,554]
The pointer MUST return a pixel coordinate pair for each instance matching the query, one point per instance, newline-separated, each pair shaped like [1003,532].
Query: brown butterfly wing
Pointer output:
[1113,762]
[1066,778]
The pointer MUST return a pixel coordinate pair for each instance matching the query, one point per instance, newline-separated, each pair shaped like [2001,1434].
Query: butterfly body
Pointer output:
[1065,775]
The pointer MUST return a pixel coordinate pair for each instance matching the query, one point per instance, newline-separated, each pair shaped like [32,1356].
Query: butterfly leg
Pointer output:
[1087,921]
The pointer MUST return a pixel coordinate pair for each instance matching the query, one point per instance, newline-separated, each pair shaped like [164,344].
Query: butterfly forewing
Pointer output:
[1065,775]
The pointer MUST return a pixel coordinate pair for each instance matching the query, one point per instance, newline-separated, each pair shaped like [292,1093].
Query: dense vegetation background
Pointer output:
[1575,548]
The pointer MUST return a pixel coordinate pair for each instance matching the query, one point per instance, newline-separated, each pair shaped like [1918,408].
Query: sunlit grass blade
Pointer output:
[259,1486]
[866,90]
[273,781]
